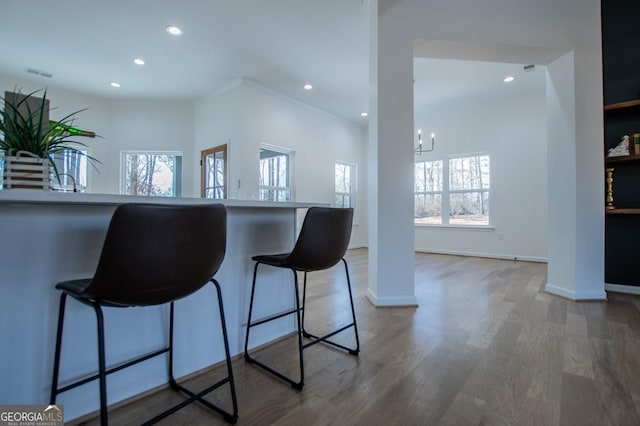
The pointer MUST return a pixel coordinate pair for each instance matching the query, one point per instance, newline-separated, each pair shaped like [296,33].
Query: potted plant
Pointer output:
[30,142]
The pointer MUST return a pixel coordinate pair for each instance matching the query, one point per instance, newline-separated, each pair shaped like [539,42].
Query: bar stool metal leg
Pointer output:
[102,368]
[299,332]
[296,310]
[318,339]
[56,358]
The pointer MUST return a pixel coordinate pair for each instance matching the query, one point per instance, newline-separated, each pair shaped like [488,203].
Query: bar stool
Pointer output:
[152,254]
[322,243]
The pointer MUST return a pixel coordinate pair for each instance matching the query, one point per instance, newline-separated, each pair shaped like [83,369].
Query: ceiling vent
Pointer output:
[39,72]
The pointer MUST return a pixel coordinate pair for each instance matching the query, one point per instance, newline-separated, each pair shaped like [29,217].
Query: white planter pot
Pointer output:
[26,171]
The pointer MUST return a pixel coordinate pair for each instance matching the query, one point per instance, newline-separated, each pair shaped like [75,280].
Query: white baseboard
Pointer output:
[487,255]
[576,296]
[620,288]
[389,302]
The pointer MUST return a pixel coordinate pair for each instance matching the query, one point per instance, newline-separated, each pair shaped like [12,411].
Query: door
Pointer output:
[213,162]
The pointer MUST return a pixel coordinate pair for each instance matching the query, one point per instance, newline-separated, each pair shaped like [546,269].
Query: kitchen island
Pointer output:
[47,237]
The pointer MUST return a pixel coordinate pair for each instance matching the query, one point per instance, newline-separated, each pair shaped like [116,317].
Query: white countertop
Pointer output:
[38,196]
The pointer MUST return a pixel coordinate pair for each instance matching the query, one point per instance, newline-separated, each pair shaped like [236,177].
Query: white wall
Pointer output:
[218,121]
[513,132]
[150,126]
[318,140]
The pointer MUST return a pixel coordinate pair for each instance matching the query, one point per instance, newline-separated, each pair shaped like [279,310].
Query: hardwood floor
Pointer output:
[485,347]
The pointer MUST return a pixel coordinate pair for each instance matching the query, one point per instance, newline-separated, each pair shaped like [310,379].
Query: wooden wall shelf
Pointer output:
[622,159]
[622,105]
[622,211]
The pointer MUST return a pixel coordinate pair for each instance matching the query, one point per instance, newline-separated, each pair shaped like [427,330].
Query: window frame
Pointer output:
[441,192]
[177,178]
[446,193]
[75,183]
[290,173]
[203,177]
[353,193]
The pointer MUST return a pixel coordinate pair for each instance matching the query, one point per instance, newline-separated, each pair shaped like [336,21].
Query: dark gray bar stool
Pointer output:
[322,243]
[152,254]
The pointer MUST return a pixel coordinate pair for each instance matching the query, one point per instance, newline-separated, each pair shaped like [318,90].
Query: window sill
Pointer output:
[457,227]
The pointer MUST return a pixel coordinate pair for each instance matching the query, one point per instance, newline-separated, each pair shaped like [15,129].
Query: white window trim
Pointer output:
[123,154]
[292,168]
[354,193]
[445,190]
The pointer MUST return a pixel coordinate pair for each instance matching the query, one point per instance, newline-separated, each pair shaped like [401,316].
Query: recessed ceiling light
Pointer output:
[173,30]
[114,84]
[138,61]
[364,114]
[509,79]
[308,86]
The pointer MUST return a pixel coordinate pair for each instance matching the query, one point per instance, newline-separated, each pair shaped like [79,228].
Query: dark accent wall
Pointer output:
[621,50]
[621,74]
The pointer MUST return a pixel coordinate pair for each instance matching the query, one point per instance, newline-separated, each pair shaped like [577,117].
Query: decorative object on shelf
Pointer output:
[418,149]
[30,142]
[609,200]
[621,149]
[636,144]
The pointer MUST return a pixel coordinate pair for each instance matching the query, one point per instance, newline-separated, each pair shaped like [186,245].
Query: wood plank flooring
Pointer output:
[486,346]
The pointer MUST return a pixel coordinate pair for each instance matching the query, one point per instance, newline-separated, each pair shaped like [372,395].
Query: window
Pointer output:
[453,192]
[72,168]
[345,175]
[214,172]
[275,174]
[156,174]
[428,183]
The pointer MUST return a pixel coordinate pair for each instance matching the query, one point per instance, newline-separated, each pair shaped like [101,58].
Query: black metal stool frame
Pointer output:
[103,371]
[301,331]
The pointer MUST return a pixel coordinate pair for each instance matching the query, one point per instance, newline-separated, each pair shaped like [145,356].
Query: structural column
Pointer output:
[575,177]
[391,230]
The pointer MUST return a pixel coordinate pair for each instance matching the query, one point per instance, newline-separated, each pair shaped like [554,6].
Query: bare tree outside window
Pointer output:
[455,192]
[152,174]
[73,169]
[345,184]
[469,190]
[428,178]
[275,170]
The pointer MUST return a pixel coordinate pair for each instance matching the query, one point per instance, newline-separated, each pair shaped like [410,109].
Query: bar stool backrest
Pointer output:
[323,240]
[155,254]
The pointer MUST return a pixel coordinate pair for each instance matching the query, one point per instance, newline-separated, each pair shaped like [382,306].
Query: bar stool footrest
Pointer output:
[294,384]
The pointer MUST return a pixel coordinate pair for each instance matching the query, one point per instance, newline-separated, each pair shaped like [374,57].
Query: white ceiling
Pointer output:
[278,44]
[440,83]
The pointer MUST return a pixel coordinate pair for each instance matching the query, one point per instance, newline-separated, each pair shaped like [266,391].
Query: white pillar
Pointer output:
[575,177]
[390,201]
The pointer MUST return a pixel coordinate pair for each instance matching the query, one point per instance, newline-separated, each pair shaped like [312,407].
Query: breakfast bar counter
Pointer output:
[47,237]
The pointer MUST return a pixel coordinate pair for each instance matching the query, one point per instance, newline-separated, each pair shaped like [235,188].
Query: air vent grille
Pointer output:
[39,72]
